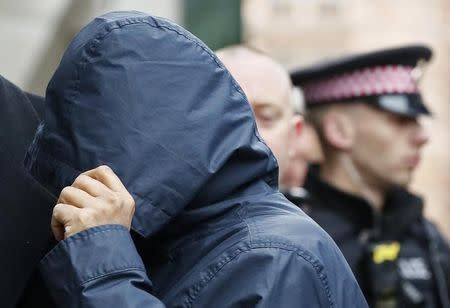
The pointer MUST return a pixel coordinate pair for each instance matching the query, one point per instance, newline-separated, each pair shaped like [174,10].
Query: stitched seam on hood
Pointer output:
[94,43]
[144,20]
[233,82]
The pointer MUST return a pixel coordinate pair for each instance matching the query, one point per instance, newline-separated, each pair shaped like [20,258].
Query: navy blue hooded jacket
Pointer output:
[150,100]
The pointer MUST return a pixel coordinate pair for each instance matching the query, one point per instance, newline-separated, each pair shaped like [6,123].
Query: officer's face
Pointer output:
[268,90]
[387,147]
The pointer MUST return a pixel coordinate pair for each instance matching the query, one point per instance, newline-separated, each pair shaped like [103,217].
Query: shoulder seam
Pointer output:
[275,245]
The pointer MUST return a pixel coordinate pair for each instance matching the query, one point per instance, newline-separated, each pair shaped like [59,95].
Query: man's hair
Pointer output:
[295,95]
[298,100]
[314,117]
[233,50]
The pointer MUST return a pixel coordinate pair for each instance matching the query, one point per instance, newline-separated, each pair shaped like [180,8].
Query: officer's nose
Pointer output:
[420,135]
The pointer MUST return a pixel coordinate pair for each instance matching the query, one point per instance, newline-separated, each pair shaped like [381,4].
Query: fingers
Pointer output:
[57,229]
[76,196]
[103,183]
[63,214]
[97,197]
[105,175]
[90,185]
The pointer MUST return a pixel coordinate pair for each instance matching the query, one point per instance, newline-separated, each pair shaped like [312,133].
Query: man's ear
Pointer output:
[297,124]
[338,129]
[296,128]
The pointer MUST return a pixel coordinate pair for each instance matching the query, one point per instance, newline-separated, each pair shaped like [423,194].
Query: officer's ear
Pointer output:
[338,128]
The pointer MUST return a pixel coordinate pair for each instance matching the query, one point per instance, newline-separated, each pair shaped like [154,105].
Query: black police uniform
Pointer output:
[398,257]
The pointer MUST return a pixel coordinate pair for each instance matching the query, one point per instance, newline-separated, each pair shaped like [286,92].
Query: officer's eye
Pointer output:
[401,120]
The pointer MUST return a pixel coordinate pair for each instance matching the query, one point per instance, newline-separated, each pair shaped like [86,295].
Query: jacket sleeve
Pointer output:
[276,277]
[98,267]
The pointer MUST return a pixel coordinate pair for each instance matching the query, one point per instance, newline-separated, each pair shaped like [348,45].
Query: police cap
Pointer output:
[386,78]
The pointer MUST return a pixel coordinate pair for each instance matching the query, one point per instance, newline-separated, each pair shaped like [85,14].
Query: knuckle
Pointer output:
[126,200]
[130,201]
[104,169]
[129,205]
[56,209]
[132,208]
[80,179]
[65,191]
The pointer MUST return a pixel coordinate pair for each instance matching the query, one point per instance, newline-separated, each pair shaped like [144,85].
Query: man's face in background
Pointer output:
[306,149]
[387,147]
[268,89]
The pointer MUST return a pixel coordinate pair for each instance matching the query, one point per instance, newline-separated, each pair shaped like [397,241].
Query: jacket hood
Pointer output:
[147,98]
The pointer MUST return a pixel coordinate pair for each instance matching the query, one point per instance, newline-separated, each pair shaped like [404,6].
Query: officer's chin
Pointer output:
[402,179]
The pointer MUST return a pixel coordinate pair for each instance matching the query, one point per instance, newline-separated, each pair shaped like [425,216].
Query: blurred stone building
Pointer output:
[34,34]
[301,32]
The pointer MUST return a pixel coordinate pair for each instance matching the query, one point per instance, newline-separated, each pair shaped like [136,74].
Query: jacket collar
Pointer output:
[400,209]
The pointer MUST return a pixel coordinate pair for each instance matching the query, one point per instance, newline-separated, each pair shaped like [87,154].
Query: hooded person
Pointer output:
[147,98]
[25,205]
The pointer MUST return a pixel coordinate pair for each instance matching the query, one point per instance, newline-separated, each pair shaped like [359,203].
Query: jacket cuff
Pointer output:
[88,255]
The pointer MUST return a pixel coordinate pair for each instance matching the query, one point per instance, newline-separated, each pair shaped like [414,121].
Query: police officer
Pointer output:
[365,109]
